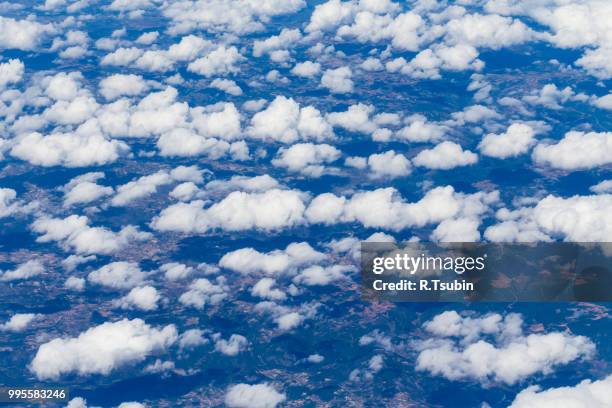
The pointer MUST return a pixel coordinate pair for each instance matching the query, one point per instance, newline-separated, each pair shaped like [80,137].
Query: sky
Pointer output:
[184,186]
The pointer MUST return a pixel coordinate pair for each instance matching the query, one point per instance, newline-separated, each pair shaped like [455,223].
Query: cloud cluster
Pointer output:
[253,396]
[11,72]
[385,208]
[306,158]
[338,80]
[231,347]
[233,16]
[10,205]
[74,232]
[18,322]
[142,298]
[83,189]
[25,270]
[101,349]
[587,393]
[572,25]
[576,219]
[381,208]
[317,275]
[284,120]
[118,275]
[494,348]
[277,262]
[382,165]
[517,140]
[576,151]
[270,210]
[83,148]
[202,292]
[23,34]
[445,156]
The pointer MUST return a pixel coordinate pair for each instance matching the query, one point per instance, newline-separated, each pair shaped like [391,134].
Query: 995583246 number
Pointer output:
[14,394]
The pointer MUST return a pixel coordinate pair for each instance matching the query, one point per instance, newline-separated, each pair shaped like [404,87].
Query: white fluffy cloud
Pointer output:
[596,62]
[249,260]
[73,112]
[18,322]
[83,189]
[253,396]
[306,69]
[139,188]
[552,97]
[329,15]
[405,31]
[602,187]
[119,85]
[23,34]
[285,121]
[226,85]
[356,118]
[11,72]
[389,164]
[72,261]
[577,219]
[175,271]
[238,211]
[221,61]
[231,347]
[306,158]
[9,204]
[417,129]
[156,113]
[289,321]
[446,155]
[221,120]
[74,232]
[184,142]
[244,183]
[192,338]
[517,140]
[429,62]
[457,230]
[187,49]
[370,21]
[277,45]
[385,208]
[475,114]
[85,147]
[202,292]
[577,150]
[382,165]
[338,80]
[119,275]
[234,16]
[25,270]
[587,393]
[147,38]
[317,275]
[492,31]
[604,102]
[264,288]
[572,25]
[142,298]
[74,283]
[122,56]
[371,64]
[101,349]
[494,348]
[286,318]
